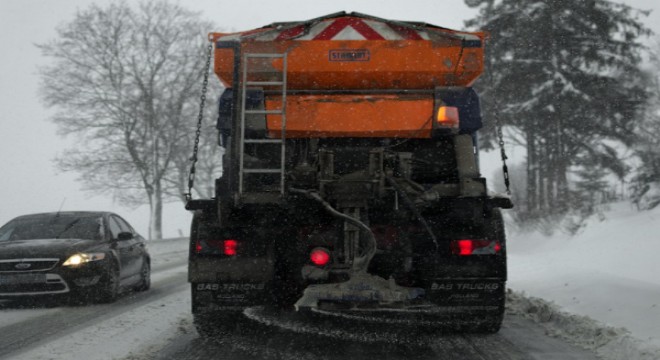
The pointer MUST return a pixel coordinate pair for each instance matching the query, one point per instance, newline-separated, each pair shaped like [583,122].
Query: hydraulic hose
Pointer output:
[358,264]
[413,208]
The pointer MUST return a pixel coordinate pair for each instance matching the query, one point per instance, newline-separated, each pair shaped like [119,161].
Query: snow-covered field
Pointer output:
[610,272]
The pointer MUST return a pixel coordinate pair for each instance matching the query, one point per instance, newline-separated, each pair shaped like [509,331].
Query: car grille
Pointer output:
[26,284]
[32,288]
[23,265]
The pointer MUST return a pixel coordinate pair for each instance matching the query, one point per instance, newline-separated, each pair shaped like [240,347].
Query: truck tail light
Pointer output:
[319,256]
[448,116]
[468,247]
[227,247]
[230,247]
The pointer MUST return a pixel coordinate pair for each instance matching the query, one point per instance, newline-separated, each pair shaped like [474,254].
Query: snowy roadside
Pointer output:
[135,334]
[605,273]
[167,250]
[132,334]
[609,343]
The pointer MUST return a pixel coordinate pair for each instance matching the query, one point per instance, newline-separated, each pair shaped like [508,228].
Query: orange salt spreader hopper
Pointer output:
[353,75]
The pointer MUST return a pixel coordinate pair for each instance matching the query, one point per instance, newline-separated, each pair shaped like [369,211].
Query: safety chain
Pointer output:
[505,169]
[200,116]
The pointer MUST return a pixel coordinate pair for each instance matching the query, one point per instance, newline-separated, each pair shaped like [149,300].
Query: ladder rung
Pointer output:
[262,171]
[277,112]
[267,141]
[265,55]
[264,83]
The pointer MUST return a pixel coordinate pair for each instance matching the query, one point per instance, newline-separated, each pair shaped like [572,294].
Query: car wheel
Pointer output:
[110,287]
[145,277]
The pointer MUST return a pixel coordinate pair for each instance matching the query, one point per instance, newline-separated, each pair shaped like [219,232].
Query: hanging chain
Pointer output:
[200,116]
[500,138]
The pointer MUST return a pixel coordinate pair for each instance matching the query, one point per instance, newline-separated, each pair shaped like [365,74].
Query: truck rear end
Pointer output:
[350,178]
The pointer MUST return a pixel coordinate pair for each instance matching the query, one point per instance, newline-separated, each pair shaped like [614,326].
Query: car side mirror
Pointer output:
[124,236]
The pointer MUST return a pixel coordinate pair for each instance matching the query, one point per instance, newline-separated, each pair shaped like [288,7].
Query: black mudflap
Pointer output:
[230,295]
[474,295]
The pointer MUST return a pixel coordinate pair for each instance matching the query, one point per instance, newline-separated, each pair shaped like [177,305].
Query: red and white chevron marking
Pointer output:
[350,28]
[342,28]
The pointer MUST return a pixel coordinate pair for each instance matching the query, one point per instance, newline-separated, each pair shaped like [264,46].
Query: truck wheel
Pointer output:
[212,322]
[217,323]
[490,324]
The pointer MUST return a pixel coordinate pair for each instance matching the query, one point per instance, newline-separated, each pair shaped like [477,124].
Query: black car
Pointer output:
[88,255]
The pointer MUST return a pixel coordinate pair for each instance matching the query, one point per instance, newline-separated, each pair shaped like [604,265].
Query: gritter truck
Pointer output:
[350,176]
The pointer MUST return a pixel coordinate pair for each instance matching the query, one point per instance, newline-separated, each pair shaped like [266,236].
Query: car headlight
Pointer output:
[81,258]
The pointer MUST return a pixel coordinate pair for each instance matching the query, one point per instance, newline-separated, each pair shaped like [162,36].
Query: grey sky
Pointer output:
[28,140]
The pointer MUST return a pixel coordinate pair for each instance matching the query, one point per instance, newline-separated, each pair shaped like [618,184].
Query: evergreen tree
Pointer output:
[565,74]
[646,182]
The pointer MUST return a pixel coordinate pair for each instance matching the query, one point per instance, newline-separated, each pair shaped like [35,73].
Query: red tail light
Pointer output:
[230,247]
[227,247]
[319,256]
[475,247]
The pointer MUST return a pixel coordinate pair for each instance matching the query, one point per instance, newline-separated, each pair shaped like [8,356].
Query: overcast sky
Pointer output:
[29,182]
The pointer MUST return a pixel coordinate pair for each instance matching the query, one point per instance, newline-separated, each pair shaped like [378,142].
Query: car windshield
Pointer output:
[62,226]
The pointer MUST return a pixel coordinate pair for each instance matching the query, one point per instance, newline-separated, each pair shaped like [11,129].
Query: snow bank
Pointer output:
[606,341]
[605,273]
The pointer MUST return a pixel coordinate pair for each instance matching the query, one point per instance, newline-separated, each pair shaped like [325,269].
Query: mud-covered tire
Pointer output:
[145,276]
[109,289]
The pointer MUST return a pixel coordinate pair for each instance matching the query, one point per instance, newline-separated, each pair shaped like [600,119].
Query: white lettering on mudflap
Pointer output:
[465,286]
[468,296]
[436,286]
[229,287]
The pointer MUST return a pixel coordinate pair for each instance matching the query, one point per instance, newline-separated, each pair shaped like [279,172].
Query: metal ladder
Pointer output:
[245,84]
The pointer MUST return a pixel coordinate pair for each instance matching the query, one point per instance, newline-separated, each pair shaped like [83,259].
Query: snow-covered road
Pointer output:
[157,325]
[614,287]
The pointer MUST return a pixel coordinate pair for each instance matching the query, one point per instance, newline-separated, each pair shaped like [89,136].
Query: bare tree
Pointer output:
[126,82]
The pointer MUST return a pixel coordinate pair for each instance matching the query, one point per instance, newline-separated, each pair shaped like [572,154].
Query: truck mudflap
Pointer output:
[230,295]
[477,293]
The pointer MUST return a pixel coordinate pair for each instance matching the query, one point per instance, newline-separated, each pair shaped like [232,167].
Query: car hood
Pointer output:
[44,248]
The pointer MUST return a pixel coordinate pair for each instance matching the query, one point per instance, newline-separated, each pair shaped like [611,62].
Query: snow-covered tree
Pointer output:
[126,83]
[646,182]
[565,74]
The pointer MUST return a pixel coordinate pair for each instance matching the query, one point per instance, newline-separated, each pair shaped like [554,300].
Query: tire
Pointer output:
[145,276]
[212,323]
[218,323]
[489,325]
[109,290]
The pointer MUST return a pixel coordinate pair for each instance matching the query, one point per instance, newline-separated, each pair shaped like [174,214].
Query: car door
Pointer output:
[135,248]
[122,247]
